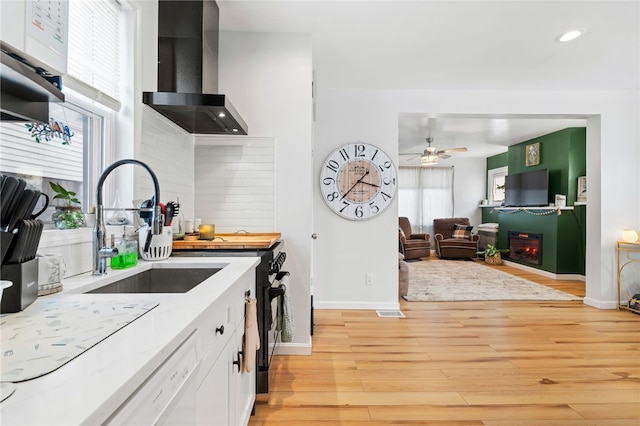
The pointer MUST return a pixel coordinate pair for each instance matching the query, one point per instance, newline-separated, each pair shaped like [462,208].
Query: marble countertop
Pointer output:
[89,388]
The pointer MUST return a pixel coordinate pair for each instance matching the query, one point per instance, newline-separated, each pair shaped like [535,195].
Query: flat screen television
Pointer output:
[527,189]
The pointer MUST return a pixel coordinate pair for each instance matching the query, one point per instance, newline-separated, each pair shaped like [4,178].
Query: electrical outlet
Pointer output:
[369,278]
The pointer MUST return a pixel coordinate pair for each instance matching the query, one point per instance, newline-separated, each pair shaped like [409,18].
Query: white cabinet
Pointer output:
[226,393]
[202,383]
[38,31]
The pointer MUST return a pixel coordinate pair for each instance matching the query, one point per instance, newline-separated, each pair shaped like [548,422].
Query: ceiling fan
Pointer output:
[431,154]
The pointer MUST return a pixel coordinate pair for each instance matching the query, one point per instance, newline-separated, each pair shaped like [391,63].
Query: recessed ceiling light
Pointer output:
[235,130]
[221,114]
[570,35]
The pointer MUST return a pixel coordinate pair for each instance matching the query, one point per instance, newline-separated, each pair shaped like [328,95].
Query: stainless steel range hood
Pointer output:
[188,70]
[25,94]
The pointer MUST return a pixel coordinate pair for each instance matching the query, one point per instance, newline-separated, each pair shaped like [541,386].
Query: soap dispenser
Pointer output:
[127,249]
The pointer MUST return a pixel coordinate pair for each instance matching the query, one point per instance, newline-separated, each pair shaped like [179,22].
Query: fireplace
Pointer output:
[525,247]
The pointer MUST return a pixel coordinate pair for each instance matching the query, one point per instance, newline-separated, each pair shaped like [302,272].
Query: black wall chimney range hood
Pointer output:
[188,33]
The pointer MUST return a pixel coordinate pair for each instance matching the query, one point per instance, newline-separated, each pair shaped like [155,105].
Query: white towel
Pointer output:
[284,321]
[251,334]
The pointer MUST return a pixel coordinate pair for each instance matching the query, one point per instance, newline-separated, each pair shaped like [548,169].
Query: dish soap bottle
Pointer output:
[127,249]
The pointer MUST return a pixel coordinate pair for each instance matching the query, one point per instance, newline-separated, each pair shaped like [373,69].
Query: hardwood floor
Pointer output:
[464,363]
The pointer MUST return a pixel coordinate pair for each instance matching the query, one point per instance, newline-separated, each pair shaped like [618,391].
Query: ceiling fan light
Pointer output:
[429,160]
[570,35]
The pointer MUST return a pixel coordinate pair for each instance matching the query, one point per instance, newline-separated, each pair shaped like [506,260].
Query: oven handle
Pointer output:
[280,289]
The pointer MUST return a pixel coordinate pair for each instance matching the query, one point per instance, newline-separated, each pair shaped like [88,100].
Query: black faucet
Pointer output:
[101,252]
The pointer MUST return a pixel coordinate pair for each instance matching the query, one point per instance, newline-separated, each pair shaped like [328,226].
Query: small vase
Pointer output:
[70,217]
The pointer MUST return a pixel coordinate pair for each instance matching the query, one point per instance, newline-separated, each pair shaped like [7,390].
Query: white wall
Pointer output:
[235,183]
[469,187]
[345,251]
[268,79]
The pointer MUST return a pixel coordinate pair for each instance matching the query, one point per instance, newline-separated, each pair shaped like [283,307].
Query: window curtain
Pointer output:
[424,194]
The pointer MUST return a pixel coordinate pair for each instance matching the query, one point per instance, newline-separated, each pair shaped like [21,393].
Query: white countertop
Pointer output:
[92,386]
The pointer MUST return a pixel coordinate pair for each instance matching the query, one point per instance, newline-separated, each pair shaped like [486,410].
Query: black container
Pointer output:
[25,286]
[5,243]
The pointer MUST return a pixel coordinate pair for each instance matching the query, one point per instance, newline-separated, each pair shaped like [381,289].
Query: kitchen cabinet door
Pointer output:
[242,387]
[213,395]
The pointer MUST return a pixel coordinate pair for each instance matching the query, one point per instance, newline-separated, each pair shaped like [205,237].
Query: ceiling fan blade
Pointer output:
[442,155]
[461,149]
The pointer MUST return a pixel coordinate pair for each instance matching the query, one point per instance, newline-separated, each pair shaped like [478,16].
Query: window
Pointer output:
[71,157]
[425,194]
[495,185]
[75,155]
[94,50]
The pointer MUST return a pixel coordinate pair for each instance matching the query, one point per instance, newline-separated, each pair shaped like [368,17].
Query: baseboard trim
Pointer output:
[356,305]
[600,304]
[291,348]
[547,274]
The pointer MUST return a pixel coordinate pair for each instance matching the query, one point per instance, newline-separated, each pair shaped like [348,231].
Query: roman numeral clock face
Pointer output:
[358,181]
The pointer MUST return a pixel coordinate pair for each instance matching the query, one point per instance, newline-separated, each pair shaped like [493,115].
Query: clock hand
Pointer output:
[354,185]
[371,184]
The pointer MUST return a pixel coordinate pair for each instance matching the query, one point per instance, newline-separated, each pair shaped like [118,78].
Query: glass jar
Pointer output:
[67,217]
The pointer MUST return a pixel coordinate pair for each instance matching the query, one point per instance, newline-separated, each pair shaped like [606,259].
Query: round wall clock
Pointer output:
[358,181]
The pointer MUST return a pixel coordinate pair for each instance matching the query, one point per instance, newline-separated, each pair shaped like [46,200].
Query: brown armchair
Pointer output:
[454,245]
[413,246]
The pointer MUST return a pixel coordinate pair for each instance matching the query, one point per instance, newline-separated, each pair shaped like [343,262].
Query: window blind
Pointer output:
[94,50]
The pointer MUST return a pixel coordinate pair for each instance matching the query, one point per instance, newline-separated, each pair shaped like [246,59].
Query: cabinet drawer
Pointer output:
[243,287]
[216,324]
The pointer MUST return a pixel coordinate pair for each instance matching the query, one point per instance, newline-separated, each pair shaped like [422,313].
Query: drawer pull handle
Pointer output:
[220,329]
[237,362]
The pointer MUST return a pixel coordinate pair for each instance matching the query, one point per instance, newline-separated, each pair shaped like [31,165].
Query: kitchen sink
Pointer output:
[160,280]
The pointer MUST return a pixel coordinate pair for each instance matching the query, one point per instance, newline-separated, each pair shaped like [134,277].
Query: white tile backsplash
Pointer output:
[235,183]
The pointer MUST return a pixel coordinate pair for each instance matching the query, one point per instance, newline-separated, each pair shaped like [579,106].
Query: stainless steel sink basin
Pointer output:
[160,280]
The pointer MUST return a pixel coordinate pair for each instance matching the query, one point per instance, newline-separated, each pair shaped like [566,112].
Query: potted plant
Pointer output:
[68,215]
[492,254]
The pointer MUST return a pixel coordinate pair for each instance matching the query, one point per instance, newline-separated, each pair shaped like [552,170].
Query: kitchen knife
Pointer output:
[15,199]
[34,203]
[20,210]
[6,196]
[18,244]
[34,239]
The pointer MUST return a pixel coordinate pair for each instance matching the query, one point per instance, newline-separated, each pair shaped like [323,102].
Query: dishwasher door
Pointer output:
[168,397]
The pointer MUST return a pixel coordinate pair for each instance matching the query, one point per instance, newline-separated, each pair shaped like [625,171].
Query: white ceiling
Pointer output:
[459,45]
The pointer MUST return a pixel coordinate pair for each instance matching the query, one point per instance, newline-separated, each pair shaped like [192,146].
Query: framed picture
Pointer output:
[532,154]
[582,189]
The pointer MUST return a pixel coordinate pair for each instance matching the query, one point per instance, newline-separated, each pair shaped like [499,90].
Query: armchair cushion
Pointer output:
[462,231]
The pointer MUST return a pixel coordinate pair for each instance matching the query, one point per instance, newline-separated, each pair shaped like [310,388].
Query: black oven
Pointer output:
[269,273]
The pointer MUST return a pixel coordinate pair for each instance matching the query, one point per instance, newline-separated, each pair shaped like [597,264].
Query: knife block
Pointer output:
[5,242]
[25,285]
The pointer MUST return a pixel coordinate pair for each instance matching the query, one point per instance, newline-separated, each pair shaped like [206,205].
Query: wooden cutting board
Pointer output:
[231,241]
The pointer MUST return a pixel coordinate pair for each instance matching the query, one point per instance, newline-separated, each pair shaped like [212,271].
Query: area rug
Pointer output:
[437,280]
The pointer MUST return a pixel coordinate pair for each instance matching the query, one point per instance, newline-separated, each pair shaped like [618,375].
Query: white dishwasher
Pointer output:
[168,397]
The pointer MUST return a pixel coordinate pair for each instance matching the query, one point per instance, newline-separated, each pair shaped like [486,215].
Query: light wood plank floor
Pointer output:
[469,363]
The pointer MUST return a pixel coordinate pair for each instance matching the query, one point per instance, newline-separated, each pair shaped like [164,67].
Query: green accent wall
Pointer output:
[497,161]
[564,154]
